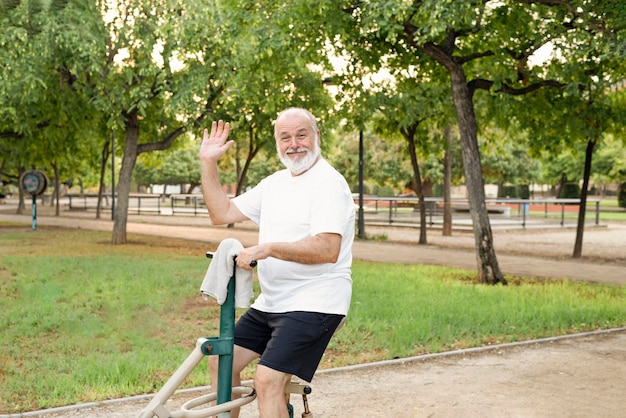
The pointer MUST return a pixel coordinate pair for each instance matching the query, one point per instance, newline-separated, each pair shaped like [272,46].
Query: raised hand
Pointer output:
[216,144]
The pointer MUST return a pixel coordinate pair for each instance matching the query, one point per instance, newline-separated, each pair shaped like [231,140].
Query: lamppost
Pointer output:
[361,223]
[112,174]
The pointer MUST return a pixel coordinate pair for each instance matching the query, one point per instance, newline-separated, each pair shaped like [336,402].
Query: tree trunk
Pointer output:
[54,197]
[131,139]
[488,269]
[104,157]
[582,208]
[562,182]
[21,207]
[242,172]
[447,184]
[410,137]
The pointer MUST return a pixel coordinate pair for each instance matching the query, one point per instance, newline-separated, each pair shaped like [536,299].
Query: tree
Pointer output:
[588,108]
[482,45]
[272,74]
[578,122]
[44,123]
[405,106]
[220,62]
[146,73]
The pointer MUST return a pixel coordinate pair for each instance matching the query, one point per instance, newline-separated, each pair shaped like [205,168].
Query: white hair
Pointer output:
[297,111]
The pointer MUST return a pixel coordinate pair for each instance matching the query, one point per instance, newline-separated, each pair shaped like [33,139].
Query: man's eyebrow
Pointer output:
[299,130]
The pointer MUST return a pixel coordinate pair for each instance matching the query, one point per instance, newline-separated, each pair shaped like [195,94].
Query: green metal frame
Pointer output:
[223,346]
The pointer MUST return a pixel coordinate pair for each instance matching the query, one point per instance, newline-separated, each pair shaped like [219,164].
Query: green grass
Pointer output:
[590,215]
[82,320]
[611,216]
[610,202]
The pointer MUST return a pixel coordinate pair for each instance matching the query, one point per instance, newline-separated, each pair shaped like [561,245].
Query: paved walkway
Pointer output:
[397,249]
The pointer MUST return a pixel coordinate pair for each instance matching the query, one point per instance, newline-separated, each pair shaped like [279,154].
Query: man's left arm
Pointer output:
[318,249]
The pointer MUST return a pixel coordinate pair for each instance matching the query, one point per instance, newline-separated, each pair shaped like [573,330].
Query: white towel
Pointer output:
[215,283]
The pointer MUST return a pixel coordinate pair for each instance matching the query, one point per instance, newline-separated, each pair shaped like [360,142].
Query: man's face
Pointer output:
[297,143]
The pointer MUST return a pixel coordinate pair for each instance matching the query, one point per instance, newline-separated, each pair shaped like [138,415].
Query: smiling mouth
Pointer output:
[297,152]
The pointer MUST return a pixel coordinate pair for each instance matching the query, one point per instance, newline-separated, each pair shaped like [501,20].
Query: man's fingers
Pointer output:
[219,131]
[223,129]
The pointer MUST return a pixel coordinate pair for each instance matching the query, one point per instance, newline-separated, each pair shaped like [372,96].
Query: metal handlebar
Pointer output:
[210,254]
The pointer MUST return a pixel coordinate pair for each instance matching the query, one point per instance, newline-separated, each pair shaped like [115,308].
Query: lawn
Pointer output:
[83,320]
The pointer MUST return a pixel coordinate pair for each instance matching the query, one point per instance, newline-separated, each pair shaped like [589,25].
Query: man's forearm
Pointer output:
[319,249]
[215,199]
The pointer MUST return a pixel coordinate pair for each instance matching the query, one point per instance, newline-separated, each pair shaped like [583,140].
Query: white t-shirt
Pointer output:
[291,208]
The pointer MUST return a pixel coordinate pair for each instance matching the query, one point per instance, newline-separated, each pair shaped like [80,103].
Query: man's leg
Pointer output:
[241,358]
[270,388]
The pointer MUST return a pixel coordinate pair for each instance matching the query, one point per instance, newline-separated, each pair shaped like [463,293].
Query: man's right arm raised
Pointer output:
[214,146]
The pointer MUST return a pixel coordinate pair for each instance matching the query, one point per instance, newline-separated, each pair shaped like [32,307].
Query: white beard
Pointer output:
[298,166]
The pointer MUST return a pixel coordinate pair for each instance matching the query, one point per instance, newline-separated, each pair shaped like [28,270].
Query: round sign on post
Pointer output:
[34,182]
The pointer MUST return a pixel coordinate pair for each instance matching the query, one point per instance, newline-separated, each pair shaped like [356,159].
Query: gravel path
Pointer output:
[580,376]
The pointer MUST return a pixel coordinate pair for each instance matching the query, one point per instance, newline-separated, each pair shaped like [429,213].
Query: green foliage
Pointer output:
[44,119]
[382,166]
[505,159]
[179,166]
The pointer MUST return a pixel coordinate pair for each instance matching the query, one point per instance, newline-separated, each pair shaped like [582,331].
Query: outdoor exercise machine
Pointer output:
[222,346]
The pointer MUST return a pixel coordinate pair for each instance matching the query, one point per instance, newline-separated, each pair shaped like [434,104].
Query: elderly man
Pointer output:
[305,215]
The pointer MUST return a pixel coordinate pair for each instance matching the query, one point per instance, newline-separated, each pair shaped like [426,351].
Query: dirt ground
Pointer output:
[579,376]
[582,376]
[601,244]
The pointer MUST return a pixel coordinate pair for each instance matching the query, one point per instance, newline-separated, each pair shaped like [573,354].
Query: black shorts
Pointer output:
[291,342]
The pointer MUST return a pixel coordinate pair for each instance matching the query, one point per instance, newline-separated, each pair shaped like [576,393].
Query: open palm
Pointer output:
[215,144]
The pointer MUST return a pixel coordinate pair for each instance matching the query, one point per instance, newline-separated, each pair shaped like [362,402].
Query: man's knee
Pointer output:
[270,381]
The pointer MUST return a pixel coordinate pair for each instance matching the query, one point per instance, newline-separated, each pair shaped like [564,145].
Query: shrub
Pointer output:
[570,191]
[386,191]
[509,191]
[523,191]
[355,188]
[621,195]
